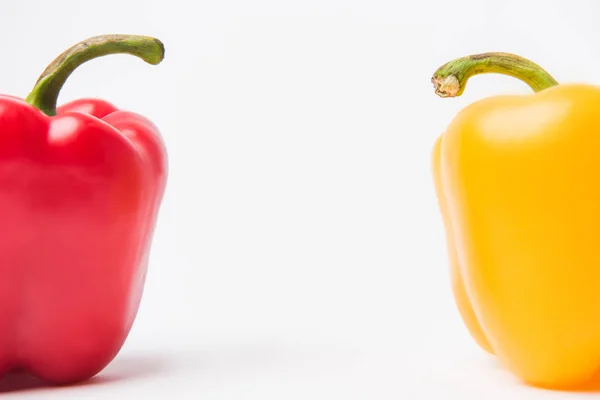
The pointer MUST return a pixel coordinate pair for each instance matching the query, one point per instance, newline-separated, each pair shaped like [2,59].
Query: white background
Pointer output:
[299,252]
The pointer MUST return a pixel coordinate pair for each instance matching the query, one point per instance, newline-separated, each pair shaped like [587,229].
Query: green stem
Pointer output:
[45,92]
[451,78]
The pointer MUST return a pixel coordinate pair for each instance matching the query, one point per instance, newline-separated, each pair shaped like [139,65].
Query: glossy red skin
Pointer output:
[79,197]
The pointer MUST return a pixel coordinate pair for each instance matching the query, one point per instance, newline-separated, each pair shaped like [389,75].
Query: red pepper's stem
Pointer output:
[451,78]
[45,92]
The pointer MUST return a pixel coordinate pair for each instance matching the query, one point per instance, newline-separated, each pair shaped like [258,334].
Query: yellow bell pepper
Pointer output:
[518,183]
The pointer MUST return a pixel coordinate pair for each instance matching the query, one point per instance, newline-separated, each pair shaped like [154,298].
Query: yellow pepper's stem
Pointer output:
[451,78]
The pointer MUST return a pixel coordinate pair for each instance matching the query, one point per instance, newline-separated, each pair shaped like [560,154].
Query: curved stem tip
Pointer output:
[451,78]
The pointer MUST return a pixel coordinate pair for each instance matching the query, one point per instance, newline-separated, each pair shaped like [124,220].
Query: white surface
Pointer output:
[299,253]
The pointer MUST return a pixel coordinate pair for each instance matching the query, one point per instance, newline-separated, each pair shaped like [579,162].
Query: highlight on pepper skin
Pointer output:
[81,188]
[516,180]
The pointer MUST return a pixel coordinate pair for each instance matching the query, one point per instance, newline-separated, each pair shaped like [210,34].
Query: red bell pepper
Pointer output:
[80,191]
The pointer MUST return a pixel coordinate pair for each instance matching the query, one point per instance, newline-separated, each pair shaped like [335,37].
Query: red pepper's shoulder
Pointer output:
[95,107]
[140,131]
[22,126]
[144,134]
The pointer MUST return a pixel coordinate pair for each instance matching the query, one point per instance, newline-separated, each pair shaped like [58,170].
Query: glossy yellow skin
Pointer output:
[518,183]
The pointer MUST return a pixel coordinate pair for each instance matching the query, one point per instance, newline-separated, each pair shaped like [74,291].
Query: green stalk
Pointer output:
[451,78]
[44,94]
